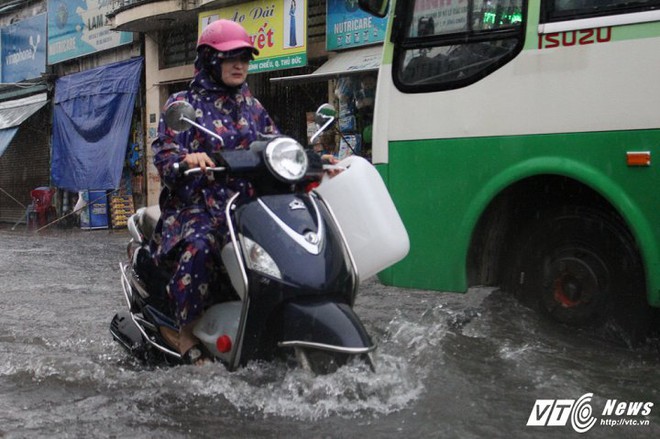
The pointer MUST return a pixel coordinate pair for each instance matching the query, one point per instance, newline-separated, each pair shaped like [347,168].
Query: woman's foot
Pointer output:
[192,351]
[171,336]
[196,356]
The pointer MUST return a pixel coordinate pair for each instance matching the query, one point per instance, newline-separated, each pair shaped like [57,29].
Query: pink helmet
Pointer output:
[225,36]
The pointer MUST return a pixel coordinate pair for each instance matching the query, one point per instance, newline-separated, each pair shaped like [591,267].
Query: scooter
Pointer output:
[291,271]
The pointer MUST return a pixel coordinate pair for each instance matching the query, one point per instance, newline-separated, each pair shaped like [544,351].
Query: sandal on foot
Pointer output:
[196,355]
[171,336]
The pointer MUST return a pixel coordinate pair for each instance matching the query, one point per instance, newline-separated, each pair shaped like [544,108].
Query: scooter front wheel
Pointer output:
[324,362]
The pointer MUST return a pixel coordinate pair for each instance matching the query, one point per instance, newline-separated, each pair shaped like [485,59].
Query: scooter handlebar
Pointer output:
[334,168]
[182,168]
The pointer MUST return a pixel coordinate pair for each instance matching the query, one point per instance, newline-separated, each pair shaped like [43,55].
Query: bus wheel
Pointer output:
[581,267]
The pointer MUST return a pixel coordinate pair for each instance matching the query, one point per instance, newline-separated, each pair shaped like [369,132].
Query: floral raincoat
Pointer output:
[194,206]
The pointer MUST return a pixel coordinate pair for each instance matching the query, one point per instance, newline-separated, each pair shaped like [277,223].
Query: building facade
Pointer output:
[312,51]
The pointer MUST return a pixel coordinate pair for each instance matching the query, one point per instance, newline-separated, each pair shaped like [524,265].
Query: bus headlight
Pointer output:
[286,159]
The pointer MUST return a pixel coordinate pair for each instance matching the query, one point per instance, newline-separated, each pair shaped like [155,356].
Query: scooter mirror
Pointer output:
[325,115]
[178,115]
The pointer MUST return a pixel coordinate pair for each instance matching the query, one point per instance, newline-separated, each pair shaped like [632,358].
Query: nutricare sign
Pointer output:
[23,49]
[347,26]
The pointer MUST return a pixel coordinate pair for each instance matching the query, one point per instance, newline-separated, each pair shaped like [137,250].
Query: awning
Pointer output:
[15,112]
[344,63]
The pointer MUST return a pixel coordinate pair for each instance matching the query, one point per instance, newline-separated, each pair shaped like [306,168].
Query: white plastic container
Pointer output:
[220,319]
[366,214]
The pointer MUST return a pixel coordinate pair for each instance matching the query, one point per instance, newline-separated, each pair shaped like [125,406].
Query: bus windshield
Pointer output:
[443,17]
[452,43]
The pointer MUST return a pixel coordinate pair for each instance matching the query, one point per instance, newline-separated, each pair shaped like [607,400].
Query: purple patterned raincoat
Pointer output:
[192,226]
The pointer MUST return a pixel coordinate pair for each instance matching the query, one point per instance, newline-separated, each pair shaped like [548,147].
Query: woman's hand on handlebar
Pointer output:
[198,160]
[331,160]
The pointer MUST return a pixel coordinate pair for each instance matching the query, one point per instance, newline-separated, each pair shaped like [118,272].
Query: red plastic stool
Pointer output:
[42,205]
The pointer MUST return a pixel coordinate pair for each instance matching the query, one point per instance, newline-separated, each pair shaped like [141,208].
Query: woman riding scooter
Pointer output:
[192,227]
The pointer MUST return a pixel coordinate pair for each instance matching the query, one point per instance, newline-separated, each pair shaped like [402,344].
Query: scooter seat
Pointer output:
[147,221]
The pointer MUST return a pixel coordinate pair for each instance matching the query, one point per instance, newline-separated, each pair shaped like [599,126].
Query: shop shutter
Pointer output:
[24,166]
[287,104]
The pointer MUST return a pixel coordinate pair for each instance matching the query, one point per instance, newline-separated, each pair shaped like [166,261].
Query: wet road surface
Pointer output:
[449,365]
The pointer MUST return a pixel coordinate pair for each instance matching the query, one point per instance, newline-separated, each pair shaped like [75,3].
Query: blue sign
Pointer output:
[80,27]
[24,49]
[348,26]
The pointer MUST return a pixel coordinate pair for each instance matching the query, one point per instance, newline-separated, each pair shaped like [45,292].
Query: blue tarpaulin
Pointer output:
[91,124]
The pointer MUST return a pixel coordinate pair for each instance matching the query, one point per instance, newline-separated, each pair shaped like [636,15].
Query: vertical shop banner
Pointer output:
[347,26]
[80,27]
[24,49]
[277,28]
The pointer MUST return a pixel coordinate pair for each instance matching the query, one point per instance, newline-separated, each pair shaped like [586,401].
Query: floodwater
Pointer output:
[449,365]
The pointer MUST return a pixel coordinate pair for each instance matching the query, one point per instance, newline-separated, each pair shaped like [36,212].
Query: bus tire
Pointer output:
[580,266]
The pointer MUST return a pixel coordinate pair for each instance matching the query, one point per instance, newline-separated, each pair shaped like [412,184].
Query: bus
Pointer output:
[516,139]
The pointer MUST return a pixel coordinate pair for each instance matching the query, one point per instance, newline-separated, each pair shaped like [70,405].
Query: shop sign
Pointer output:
[277,28]
[347,26]
[80,27]
[24,49]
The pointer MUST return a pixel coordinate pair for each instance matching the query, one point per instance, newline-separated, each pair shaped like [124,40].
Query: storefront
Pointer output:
[295,38]
[290,37]
[352,79]
[24,150]
[354,40]
[97,134]
[24,117]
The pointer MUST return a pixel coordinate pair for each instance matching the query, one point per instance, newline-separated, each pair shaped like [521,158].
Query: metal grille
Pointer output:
[288,103]
[178,45]
[25,165]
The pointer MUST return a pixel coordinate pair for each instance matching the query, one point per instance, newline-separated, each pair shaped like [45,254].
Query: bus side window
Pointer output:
[447,45]
[453,63]
[422,68]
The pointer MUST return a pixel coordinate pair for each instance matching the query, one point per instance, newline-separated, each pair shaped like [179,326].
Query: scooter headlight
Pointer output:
[258,259]
[286,159]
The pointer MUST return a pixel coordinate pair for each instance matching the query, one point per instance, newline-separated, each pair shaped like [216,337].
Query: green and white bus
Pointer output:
[517,140]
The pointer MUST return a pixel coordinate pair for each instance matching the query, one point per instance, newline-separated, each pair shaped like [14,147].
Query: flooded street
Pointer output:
[449,365]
